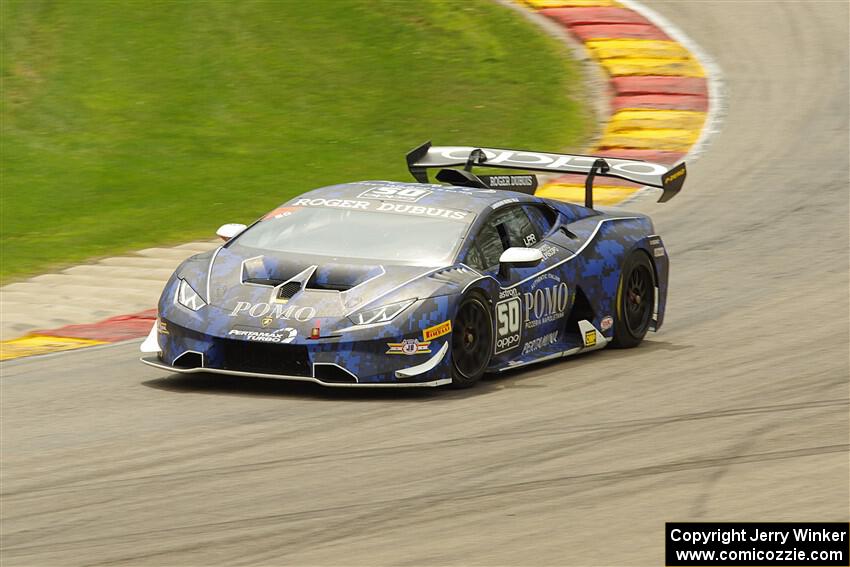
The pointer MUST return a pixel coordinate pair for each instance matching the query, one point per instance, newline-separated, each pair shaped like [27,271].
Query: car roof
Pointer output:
[425,194]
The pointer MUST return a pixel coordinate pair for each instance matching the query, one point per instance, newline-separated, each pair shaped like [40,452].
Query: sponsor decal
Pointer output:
[282,336]
[436,331]
[540,342]
[590,338]
[522,159]
[280,212]
[516,182]
[504,202]
[658,252]
[421,211]
[530,240]
[266,322]
[382,207]
[606,323]
[512,292]
[508,324]
[336,203]
[277,311]
[162,328]
[547,301]
[409,347]
[548,250]
[404,193]
[675,175]
[459,190]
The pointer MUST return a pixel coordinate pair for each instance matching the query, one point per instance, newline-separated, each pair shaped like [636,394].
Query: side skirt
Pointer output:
[592,337]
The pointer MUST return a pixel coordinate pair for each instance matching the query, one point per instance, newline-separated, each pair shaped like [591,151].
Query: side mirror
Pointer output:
[517,257]
[228,231]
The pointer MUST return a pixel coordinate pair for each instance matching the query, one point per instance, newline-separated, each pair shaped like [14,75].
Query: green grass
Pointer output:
[137,123]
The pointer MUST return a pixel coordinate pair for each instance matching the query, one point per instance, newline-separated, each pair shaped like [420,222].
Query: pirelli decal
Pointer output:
[436,331]
[673,179]
[674,176]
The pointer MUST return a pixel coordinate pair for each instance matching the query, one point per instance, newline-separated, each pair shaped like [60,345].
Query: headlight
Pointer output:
[188,297]
[381,314]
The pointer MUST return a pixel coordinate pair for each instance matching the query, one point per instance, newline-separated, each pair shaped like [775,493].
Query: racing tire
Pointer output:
[635,301]
[472,341]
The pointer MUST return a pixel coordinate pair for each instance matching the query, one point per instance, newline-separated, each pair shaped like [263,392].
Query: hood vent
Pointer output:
[289,277]
[263,281]
[342,277]
[261,270]
[329,286]
[287,290]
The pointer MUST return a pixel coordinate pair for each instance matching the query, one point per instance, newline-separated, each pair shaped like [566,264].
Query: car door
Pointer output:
[532,301]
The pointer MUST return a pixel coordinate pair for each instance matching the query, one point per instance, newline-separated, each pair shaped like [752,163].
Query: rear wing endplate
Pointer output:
[426,156]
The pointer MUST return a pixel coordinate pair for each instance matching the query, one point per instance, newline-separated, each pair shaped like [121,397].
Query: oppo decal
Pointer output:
[551,161]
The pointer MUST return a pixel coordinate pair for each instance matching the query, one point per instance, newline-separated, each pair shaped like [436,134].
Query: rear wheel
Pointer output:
[635,301]
[472,341]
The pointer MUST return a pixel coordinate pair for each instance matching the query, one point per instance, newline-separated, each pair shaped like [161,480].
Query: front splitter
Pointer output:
[157,363]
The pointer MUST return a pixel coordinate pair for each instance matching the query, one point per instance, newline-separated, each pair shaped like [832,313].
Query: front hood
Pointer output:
[248,287]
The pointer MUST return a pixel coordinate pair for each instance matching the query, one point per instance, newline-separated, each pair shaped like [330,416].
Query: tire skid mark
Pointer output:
[398,505]
[544,431]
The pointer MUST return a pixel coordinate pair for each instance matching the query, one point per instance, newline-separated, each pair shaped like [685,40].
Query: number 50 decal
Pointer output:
[508,324]
[406,194]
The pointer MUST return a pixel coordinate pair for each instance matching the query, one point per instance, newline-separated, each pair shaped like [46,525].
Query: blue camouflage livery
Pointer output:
[348,320]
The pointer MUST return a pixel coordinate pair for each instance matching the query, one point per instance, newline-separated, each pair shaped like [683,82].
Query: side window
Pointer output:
[519,228]
[474,259]
[504,229]
[543,218]
[490,245]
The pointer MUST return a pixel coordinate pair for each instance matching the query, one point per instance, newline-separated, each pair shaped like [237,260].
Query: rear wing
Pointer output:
[426,156]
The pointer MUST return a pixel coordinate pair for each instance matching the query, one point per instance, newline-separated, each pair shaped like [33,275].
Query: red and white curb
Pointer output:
[663,89]
[47,309]
[665,102]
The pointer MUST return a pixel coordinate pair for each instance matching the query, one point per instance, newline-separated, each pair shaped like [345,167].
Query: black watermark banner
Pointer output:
[691,544]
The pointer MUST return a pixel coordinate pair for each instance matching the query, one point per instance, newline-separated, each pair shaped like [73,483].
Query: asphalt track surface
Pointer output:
[737,410]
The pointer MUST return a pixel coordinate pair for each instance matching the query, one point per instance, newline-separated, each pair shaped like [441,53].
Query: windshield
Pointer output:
[414,239]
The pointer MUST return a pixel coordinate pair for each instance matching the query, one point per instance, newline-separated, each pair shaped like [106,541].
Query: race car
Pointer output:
[392,284]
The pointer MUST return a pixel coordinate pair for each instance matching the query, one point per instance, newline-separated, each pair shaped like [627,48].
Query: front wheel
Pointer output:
[635,301]
[472,341]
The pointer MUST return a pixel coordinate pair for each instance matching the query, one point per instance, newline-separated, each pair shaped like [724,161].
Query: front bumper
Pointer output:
[335,363]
